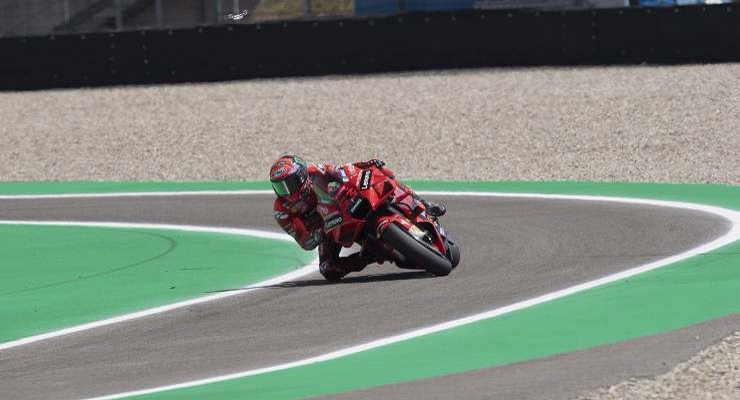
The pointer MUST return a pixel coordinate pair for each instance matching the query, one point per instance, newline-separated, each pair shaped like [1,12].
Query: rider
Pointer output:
[304,200]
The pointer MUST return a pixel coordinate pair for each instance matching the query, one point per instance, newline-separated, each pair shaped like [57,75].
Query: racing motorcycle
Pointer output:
[376,212]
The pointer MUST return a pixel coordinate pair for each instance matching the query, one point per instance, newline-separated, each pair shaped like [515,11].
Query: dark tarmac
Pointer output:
[513,249]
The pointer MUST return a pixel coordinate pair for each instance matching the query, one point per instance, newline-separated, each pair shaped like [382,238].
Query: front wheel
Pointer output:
[453,253]
[415,251]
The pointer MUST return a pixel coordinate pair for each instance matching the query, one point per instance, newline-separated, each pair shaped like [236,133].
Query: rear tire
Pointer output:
[416,252]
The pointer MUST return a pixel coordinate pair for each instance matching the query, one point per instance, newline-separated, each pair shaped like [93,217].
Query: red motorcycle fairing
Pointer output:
[422,229]
[368,196]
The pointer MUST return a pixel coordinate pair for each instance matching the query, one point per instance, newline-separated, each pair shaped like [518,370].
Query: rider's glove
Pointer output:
[377,163]
[312,220]
[312,240]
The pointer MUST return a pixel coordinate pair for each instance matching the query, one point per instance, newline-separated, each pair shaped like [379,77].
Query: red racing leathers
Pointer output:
[307,219]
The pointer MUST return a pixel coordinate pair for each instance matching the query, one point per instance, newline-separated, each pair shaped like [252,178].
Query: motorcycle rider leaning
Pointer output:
[305,209]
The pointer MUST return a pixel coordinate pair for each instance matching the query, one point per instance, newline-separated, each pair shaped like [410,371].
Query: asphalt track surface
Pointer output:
[513,249]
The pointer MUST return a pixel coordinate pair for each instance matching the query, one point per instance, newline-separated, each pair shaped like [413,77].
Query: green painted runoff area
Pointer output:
[57,277]
[661,301]
[696,290]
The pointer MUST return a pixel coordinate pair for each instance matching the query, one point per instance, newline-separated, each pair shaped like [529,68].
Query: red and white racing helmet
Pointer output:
[289,177]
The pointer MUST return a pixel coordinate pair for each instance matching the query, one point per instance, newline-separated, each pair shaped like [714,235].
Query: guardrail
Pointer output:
[366,45]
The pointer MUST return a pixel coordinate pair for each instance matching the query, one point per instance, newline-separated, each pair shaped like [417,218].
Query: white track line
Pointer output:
[305,270]
[132,225]
[732,235]
[134,194]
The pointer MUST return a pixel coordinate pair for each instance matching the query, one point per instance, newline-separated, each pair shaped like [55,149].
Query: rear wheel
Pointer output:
[416,252]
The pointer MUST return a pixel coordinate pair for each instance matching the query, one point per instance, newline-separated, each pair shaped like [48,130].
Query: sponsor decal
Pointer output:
[279,172]
[344,175]
[333,188]
[355,206]
[365,179]
[382,226]
[280,215]
[333,223]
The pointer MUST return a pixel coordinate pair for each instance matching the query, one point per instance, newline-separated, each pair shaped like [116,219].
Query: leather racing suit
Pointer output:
[307,219]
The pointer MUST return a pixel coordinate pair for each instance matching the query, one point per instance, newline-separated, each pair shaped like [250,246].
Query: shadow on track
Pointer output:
[396,276]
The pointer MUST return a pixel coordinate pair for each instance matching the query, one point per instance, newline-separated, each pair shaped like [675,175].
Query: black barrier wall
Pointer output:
[403,42]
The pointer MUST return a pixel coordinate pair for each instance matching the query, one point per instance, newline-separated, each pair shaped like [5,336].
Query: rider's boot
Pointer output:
[433,209]
[334,270]
[355,262]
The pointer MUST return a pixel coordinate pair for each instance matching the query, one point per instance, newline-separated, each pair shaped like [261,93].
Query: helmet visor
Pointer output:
[290,185]
[280,188]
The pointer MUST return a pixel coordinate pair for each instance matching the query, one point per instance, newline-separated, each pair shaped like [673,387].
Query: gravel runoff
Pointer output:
[659,124]
[652,124]
[713,374]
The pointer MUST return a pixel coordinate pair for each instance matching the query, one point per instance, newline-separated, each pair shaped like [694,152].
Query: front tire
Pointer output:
[453,254]
[416,252]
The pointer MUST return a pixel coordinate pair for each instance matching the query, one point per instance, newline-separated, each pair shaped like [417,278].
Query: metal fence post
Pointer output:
[66,11]
[119,14]
[307,11]
[218,11]
[159,13]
